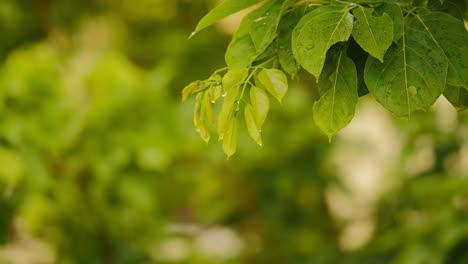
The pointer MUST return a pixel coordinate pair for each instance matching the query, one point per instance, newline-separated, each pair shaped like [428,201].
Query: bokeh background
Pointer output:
[100,162]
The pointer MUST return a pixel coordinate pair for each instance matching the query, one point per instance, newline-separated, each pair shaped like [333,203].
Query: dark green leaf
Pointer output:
[413,74]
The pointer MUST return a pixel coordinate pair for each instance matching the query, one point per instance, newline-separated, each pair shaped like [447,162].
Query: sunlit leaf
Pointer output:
[275,82]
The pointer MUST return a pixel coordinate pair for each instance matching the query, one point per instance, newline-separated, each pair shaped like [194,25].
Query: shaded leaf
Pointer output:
[285,52]
[457,96]
[374,34]
[395,13]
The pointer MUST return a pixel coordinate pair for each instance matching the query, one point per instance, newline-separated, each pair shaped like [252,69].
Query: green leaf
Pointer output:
[394,11]
[230,138]
[199,116]
[241,51]
[359,57]
[208,105]
[275,82]
[413,73]
[188,90]
[263,28]
[234,77]
[252,126]
[339,93]
[316,32]
[457,96]
[285,52]
[451,36]
[226,8]
[227,110]
[260,104]
[373,34]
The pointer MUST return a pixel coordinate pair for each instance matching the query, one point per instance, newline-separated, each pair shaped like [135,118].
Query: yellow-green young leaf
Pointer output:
[317,31]
[252,127]
[188,90]
[275,81]
[339,93]
[208,107]
[216,93]
[230,137]
[198,118]
[226,8]
[413,74]
[374,34]
[234,77]
[260,104]
[227,110]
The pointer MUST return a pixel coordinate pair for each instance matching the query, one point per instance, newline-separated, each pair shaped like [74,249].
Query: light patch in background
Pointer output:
[365,154]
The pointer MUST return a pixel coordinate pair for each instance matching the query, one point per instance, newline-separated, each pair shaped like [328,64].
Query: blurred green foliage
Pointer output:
[100,163]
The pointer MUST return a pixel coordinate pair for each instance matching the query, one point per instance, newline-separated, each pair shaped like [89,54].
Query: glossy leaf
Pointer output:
[413,73]
[275,82]
[316,32]
[226,8]
[339,93]
[374,34]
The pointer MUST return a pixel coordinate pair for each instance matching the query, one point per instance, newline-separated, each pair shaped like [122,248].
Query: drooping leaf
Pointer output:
[230,137]
[226,8]
[199,118]
[317,31]
[275,82]
[260,105]
[374,34]
[234,77]
[252,126]
[285,52]
[227,110]
[457,96]
[413,74]
[339,93]
[188,90]
[394,11]
[451,36]
[208,105]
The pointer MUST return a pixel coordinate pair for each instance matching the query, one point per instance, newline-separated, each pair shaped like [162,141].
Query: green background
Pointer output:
[100,162]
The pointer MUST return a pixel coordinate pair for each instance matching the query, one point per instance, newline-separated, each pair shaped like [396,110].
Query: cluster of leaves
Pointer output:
[405,53]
